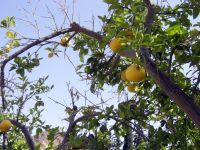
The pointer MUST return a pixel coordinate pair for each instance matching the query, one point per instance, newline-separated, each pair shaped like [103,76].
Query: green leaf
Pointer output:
[12,21]
[7,22]
[21,72]
[120,88]
[4,24]
[110,1]
[15,43]
[39,103]
[175,29]
[196,12]
[38,131]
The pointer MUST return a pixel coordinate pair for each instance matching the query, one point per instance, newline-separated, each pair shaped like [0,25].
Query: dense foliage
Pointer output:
[147,120]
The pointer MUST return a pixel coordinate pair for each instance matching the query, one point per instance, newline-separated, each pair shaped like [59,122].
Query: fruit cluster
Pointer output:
[5,125]
[64,41]
[118,42]
[134,73]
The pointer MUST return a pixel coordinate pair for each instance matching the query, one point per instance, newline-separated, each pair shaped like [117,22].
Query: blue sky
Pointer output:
[59,69]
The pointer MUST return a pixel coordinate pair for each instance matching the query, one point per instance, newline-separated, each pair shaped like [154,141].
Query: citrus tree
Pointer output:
[149,50]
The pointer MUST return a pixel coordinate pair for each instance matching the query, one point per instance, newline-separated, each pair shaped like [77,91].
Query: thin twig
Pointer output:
[197,83]
[4,141]
[57,102]
[170,60]
[52,17]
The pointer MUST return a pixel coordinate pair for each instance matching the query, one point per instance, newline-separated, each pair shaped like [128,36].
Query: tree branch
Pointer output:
[36,42]
[128,138]
[90,33]
[4,141]
[170,60]
[2,85]
[175,93]
[24,49]
[74,28]
[25,132]
[71,127]
[197,83]
[113,64]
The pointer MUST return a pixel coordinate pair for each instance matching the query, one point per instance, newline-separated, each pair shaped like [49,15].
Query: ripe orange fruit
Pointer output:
[123,75]
[50,55]
[135,73]
[5,125]
[115,44]
[132,87]
[64,41]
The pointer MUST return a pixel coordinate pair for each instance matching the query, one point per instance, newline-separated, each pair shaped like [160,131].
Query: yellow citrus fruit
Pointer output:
[115,44]
[123,75]
[132,87]
[64,41]
[135,73]
[5,125]
[9,34]
[50,55]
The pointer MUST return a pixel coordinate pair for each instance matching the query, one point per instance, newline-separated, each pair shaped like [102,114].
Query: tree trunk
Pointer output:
[174,92]
[128,139]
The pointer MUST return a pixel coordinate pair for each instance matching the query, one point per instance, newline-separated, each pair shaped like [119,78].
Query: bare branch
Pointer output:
[52,17]
[86,31]
[57,102]
[64,9]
